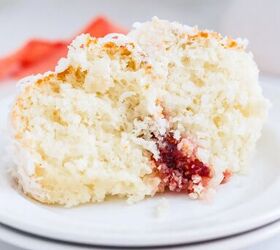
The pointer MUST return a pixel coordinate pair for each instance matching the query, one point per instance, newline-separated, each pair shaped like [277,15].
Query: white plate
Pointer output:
[245,240]
[245,203]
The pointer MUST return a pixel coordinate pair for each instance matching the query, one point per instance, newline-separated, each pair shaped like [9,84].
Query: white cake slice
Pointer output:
[167,107]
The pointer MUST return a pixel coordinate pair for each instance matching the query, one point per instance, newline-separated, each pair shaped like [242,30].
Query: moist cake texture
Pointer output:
[165,108]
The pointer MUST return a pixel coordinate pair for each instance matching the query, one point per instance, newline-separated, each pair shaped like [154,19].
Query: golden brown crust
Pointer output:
[205,35]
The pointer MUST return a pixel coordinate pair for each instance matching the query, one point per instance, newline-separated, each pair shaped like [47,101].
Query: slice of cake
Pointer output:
[167,107]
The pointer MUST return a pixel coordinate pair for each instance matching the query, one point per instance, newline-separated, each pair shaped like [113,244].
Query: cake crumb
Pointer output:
[161,208]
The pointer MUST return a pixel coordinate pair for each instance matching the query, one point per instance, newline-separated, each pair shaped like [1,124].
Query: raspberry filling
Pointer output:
[227,175]
[179,171]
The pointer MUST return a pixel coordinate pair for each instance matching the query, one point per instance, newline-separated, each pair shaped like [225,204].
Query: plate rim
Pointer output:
[271,229]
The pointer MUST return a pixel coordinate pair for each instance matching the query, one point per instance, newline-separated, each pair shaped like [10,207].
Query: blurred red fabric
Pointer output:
[38,55]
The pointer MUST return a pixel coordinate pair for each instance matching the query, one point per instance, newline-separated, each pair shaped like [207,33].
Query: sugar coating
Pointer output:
[92,128]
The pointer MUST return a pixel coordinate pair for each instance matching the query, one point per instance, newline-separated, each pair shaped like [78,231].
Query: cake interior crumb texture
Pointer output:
[166,107]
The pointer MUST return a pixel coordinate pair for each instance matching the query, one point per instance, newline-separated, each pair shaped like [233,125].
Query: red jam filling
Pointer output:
[176,168]
[227,174]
